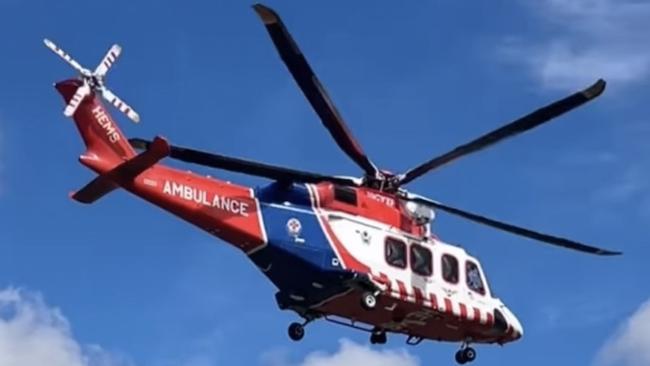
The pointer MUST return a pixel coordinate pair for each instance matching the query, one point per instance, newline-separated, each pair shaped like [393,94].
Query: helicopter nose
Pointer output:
[507,324]
[517,328]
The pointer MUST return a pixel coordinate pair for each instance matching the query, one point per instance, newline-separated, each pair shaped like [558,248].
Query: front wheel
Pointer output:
[368,301]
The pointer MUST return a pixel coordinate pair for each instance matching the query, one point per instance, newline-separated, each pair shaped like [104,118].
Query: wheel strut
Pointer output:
[378,336]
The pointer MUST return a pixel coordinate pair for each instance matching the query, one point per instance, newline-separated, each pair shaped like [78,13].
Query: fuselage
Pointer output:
[320,244]
[313,241]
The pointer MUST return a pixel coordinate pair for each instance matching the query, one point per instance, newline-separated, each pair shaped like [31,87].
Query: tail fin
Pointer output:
[106,145]
[123,173]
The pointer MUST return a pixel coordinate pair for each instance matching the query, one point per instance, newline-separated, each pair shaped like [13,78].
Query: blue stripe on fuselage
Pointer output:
[294,263]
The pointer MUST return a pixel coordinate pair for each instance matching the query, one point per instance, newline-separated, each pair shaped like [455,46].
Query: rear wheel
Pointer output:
[469,354]
[460,358]
[296,331]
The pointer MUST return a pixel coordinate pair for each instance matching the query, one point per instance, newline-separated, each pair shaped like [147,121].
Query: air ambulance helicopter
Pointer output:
[353,251]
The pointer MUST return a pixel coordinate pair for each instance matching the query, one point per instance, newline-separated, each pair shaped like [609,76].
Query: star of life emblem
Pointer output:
[294,227]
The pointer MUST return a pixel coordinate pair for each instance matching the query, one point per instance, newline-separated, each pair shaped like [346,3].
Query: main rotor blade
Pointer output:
[77,98]
[514,128]
[312,88]
[554,240]
[120,104]
[108,60]
[67,58]
[245,166]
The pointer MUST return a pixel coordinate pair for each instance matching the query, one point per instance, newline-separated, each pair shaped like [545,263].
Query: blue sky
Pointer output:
[123,283]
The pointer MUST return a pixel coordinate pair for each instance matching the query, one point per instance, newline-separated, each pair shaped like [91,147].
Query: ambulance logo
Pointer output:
[294,227]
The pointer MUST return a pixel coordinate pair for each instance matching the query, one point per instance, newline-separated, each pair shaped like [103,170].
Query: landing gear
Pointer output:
[378,336]
[460,359]
[296,331]
[465,355]
[470,354]
[368,300]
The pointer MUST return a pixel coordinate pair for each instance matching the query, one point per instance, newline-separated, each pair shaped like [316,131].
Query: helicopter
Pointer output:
[354,251]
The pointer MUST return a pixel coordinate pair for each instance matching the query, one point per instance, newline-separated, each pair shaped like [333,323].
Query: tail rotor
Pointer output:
[93,81]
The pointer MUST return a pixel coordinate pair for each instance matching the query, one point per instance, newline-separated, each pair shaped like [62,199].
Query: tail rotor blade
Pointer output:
[82,92]
[67,58]
[108,60]
[121,105]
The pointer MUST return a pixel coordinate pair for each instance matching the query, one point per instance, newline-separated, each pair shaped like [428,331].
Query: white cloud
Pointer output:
[349,353]
[584,40]
[33,334]
[630,346]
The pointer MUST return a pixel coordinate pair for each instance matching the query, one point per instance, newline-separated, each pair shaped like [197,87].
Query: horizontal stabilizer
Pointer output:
[123,173]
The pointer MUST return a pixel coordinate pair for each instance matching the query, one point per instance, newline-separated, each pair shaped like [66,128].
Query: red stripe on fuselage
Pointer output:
[419,296]
[449,309]
[463,311]
[490,320]
[477,315]
[403,295]
[434,301]
[386,281]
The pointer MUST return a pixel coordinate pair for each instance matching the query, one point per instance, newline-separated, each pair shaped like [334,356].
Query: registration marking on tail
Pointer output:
[107,125]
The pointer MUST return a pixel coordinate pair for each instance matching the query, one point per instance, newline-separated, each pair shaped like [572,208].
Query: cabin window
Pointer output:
[473,276]
[346,195]
[395,252]
[421,260]
[449,268]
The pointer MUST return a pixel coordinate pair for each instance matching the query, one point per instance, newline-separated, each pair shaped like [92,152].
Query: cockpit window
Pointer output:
[449,268]
[421,262]
[395,252]
[473,276]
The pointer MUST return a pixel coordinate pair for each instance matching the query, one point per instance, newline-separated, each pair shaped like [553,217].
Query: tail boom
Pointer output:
[227,211]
